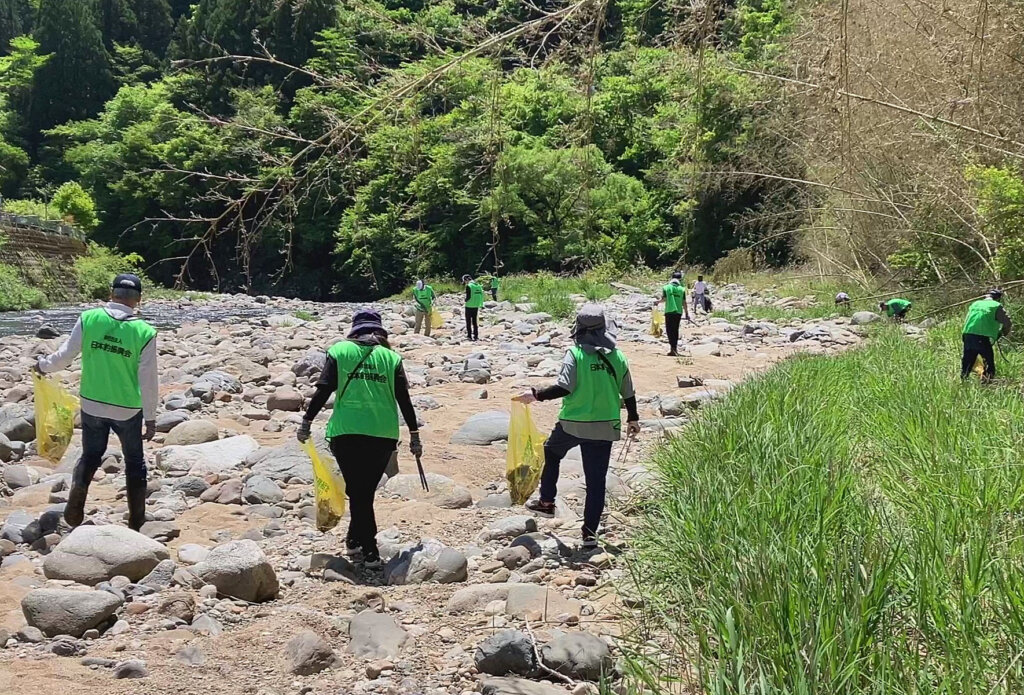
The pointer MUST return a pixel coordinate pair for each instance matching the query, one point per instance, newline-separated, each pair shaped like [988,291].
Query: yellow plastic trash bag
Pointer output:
[55,418]
[436,320]
[329,487]
[525,457]
[657,323]
[979,366]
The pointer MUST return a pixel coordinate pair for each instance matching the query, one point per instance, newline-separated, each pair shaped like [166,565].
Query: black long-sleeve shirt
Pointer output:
[328,384]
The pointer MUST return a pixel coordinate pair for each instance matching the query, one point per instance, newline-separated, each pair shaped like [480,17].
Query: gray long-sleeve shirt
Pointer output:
[149,380]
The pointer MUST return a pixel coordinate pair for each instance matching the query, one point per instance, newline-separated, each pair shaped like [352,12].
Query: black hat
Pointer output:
[995,293]
[365,321]
[127,281]
[678,275]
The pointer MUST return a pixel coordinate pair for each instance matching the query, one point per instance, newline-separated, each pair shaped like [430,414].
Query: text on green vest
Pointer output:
[595,397]
[111,350]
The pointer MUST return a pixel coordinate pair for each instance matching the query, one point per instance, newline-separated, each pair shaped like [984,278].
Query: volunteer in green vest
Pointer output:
[674,296]
[593,378]
[987,321]
[369,385]
[495,286]
[896,309]
[474,303]
[423,297]
[119,390]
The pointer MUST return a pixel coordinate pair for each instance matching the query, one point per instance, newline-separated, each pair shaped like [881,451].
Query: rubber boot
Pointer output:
[136,504]
[74,511]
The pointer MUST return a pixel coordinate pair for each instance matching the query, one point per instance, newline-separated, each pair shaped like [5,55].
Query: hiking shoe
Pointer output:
[673,353]
[590,543]
[353,547]
[541,507]
[74,512]
[371,560]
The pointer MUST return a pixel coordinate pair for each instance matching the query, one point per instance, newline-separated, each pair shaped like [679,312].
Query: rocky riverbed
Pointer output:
[231,589]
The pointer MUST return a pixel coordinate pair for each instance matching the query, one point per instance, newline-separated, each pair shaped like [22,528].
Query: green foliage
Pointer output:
[843,524]
[304,315]
[553,294]
[1000,194]
[75,205]
[96,270]
[76,81]
[15,294]
[31,208]
[15,20]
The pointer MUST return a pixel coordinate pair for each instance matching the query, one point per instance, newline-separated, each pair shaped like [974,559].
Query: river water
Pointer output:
[161,314]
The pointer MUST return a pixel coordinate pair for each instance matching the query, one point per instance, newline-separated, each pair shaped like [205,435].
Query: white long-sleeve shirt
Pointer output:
[149,380]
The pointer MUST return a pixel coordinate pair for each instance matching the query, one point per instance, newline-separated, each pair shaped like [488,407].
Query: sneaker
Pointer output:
[371,560]
[673,353]
[541,507]
[590,543]
[352,547]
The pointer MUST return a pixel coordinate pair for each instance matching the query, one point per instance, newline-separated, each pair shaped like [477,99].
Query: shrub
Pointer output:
[75,206]
[95,270]
[15,294]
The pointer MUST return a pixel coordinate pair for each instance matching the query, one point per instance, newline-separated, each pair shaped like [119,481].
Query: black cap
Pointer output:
[995,293]
[678,275]
[127,281]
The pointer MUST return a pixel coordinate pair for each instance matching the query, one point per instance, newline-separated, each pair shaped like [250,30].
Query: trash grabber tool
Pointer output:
[423,475]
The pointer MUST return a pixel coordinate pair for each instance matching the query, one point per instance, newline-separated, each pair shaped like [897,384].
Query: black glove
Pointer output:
[150,430]
[415,445]
[303,434]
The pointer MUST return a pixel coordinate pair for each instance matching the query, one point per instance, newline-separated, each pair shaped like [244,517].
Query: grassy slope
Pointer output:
[846,524]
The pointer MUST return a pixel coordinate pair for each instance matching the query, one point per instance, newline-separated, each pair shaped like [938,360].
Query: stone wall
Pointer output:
[43,256]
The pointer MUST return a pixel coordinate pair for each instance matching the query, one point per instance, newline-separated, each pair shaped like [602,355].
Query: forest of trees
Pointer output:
[338,148]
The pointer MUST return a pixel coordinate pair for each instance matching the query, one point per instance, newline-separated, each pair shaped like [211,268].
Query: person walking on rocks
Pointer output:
[423,296]
[594,377]
[896,309]
[700,292]
[474,303]
[674,296]
[987,322]
[119,390]
[367,379]
[495,285]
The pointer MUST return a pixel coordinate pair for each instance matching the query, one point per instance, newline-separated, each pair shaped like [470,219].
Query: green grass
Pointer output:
[553,294]
[15,294]
[304,315]
[848,524]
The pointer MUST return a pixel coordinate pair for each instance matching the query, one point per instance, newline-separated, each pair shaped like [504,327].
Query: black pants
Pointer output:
[494,294]
[596,458]
[978,346]
[95,432]
[362,460]
[472,327]
[672,328]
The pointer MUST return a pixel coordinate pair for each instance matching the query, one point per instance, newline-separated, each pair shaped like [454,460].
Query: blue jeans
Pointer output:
[95,432]
[596,457]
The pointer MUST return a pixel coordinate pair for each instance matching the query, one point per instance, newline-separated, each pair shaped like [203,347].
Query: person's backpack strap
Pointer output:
[341,394]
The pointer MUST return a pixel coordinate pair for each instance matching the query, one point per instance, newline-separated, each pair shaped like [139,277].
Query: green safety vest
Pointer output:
[895,305]
[495,283]
[424,298]
[675,297]
[596,397]
[476,296]
[110,358]
[981,319]
[365,400]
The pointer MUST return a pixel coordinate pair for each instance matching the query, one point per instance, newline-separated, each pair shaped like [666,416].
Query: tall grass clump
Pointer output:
[15,293]
[848,524]
[554,294]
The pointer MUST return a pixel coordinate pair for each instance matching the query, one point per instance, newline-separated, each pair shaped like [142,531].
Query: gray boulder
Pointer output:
[509,527]
[578,655]
[260,489]
[200,459]
[192,432]
[191,486]
[239,569]
[17,476]
[430,561]
[7,449]
[287,399]
[15,525]
[18,429]
[483,429]
[308,653]
[165,422]
[518,686]
[161,576]
[68,612]
[93,554]
[374,635]
[444,492]
[221,381]
[284,462]
[863,318]
[507,652]
[313,362]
